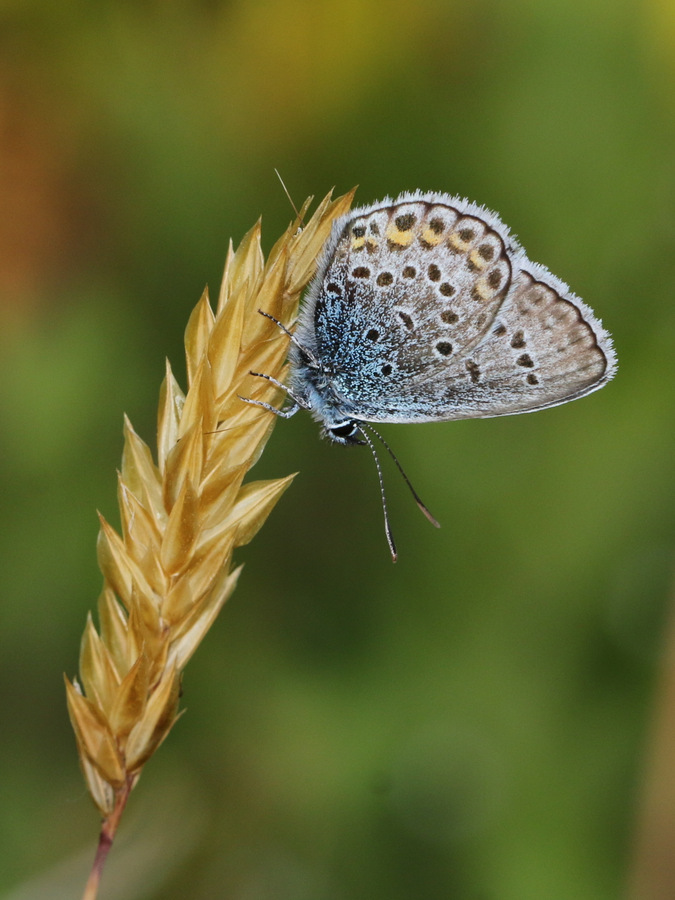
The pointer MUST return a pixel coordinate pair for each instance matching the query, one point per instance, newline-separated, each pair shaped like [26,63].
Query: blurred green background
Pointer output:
[474,722]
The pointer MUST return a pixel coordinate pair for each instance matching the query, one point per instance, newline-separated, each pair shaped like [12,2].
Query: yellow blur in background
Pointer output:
[488,718]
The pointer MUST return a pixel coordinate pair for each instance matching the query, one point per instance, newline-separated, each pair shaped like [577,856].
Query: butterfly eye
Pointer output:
[345,431]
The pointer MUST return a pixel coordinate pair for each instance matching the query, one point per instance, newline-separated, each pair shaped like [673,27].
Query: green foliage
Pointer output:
[471,722]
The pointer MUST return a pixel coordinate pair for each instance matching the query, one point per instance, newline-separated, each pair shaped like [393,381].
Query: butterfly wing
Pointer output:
[426,309]
[544,348]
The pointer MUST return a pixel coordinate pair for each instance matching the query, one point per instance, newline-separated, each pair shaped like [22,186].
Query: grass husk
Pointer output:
[168,573]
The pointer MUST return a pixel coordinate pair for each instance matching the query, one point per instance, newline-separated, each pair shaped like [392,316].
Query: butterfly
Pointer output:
[426,309]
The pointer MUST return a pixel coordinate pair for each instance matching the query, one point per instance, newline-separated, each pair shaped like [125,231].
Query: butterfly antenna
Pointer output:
[391,453]
[290,199]
[387,526]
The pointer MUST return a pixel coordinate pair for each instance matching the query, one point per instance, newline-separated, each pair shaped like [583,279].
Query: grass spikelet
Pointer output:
[169,572]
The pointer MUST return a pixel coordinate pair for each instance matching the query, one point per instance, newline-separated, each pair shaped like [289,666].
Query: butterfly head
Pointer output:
[347,432]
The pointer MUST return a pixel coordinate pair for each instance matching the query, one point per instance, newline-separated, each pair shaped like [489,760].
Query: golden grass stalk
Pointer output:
[168,574]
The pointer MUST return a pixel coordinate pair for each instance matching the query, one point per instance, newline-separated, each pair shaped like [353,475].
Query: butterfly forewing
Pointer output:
[400,275]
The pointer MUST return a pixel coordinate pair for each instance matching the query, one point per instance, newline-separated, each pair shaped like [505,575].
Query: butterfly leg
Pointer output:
[309,356]
[284,413]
